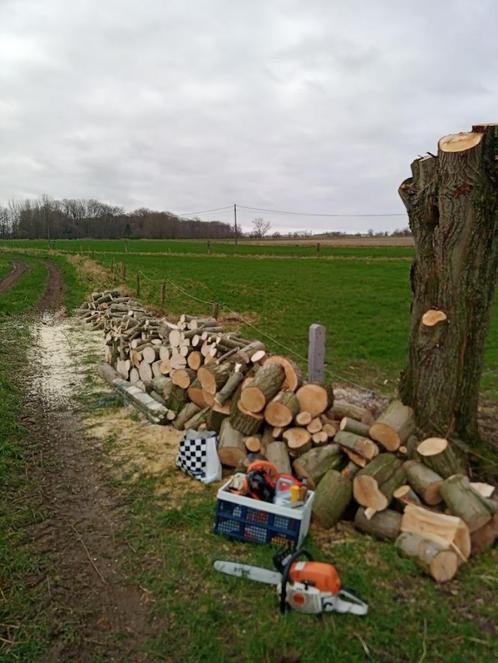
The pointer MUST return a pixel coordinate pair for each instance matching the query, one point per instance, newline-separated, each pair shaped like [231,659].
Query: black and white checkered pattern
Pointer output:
[192,454]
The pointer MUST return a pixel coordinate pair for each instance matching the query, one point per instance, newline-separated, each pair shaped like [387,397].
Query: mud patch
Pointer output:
[53,297]
[18,269]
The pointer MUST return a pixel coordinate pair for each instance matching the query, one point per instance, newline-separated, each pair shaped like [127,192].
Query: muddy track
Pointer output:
[18,269]
[94,613]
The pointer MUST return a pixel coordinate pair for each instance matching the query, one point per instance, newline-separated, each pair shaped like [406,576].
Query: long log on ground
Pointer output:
[384,525]
[293,376]
[375,484]
[424,481]
[313,464]
[231,447]
[108,373]
[362,446]
[154,412]
[438,561]
[315,398]
[332,497]
[282,409]
[265,385]
[277,453]
[394,426]
[186,413]
[449,531]
[463,501]
[441,456]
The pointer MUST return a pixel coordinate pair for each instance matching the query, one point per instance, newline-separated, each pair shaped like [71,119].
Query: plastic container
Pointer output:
[246,519]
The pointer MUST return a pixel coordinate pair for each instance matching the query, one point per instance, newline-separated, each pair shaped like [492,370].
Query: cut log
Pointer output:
[293,376]
[355,458]
[332,497]
[246,422]
[467,503]
[213,376]
[253,444]
[217,415]
[134,376]
[145,371]
[353,426]
[406,495]
[484,537]
[424,481]
[432,557]
[449,531]
[385,525]
[329,428]
[177,398]
[359,445]
[229,387]
[197,421]
[303,418]
[186,413]
[441,456]
[315,398]
[433,317]
[231,448]
[197,394]
[298,440]
[278,455]
[150,353]
[183,377]
[314,426]
[350,471]
[484,489]
[276,432]
[282,409]
[194,360]
[375,484]
[315,463]
[265,385]
[162,385]
[165,366]
[394,426]
[320,438]
[343,409]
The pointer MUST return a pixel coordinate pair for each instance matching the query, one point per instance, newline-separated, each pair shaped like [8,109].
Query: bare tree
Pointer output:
[261,227]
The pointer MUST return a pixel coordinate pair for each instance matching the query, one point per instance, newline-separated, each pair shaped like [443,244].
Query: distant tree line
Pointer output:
[77,218]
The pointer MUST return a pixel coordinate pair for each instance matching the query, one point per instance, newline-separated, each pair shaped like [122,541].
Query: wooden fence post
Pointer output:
[318,248]
[138,284]
[163,292]
[216,311]
[316,353]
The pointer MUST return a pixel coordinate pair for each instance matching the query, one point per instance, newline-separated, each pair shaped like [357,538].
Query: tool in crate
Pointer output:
[307,586]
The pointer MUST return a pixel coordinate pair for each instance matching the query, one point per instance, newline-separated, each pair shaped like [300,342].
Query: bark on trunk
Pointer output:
[384,525]
[452,202]
[331,498]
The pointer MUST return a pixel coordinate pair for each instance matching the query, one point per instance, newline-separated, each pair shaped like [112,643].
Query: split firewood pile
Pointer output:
[375,471]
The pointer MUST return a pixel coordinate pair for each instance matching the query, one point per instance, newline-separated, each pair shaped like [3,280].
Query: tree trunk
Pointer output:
[452,202]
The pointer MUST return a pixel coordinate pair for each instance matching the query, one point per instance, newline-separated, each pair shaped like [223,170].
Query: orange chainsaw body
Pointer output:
[317,574]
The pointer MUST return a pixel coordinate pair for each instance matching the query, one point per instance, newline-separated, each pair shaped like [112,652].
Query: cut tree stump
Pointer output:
[424,481]
[432,557]
[264,386]
[313,464]
[282,409]
[463,501]
[441,456]
[332,497]
[315,398]
[375,484]
[385,525]
[450,531]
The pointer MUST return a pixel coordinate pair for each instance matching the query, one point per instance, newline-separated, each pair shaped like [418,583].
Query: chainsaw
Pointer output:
[307,586]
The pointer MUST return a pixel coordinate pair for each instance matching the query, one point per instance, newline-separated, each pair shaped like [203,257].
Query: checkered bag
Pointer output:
[198,456]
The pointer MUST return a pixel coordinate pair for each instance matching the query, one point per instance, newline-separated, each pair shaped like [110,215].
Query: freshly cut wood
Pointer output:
[353,426]
[293,376]
[375,484]
[314,426]
[229,387]
[175,337]
[282,409]
[213,376]
[194,360]
[186,413]
[276,432]
[485,536]
[177,398]
[467,503]
[441,456]
[484,489]
[384,435]
[350,471]
[437,560]
[278,455]
[332,497]
[196,394]
[359,445]
[162,385]
[432,317]
[449,531]
[315,463]
[303,418]
[298,440]
[246,422]
[145,371]
[343,409]
[183,377]
[253,444]
[163,352]
[150,353]
[400,417]
[248,350]
[132,394]
[330,429]
[385,525]
[198,421]
[134,376]
[217,414]
[165,366]
[156,370]
[315,398]
[319,438]
[424,481]
[355,458]
[265,385]
[123,367]
[231,447]
[209,398]
[406,495]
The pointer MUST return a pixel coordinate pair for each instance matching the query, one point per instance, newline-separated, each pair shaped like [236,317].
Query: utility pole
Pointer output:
[235,223]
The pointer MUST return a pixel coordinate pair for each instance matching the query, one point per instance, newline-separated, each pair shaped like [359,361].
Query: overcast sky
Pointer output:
[313,105]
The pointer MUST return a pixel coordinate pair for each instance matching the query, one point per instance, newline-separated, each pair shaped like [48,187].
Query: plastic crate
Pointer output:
[255,521]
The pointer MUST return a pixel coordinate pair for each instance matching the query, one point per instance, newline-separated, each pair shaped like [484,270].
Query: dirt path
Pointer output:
[18,268]
[94,613]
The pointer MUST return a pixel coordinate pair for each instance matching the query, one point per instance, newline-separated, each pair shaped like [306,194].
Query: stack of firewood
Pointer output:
[194,374]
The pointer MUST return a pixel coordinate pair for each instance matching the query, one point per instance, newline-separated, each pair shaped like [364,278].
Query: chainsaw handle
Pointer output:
[285,575]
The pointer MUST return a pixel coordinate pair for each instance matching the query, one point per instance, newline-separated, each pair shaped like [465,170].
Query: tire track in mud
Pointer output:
[18,269]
